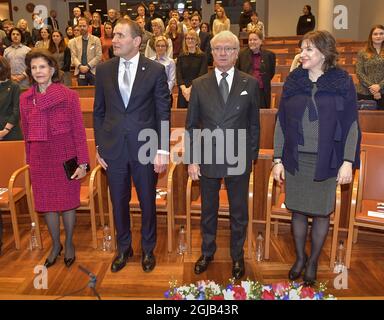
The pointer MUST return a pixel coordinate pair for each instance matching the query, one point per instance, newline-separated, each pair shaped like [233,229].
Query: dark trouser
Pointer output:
[86,79]
[119,174]
[380,102]
[263,100]
[237,190]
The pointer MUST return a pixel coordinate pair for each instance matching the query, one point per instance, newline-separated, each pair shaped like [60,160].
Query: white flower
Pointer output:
[190,297]
[228,294]
[247,287]
[294,295]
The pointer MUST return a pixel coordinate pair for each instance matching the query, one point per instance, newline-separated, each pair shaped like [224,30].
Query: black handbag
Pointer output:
[70,167]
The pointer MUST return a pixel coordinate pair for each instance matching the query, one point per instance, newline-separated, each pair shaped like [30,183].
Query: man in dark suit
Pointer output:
[76,16]
[52,21]
[259,63]
[205,38]
[132,95]
[225,103]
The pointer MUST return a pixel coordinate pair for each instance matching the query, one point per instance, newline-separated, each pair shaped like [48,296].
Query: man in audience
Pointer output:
[76,16]
[112,17]
[145,36]
[86,53]
[245,16]
[204,36]
[52,21]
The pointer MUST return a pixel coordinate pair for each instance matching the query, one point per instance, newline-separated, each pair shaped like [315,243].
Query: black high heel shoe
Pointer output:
[310,275]
[48,263]
[294,275]
[68,262]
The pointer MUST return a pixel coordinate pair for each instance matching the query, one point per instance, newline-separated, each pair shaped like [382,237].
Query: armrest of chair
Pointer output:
[94,172]
[13,178]
[170,178]
[270,191]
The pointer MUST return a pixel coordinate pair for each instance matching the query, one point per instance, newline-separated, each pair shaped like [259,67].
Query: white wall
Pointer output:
[372,13]
[283,15]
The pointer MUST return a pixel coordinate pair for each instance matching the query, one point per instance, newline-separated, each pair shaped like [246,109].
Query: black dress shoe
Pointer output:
[310,275]
[293,274]
[48,263]
[68,262]
[238,269]
[121,259]
[148,261]
[202,264]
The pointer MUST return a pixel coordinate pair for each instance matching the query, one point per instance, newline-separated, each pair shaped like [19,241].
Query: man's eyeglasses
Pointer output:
[225,49]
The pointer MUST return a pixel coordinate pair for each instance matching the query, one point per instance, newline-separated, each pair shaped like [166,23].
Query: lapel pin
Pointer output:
[143,68]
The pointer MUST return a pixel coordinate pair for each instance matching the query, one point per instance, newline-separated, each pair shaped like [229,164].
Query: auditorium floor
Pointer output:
[365,278]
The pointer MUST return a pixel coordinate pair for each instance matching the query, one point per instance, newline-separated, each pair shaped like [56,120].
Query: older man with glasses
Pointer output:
[226,103]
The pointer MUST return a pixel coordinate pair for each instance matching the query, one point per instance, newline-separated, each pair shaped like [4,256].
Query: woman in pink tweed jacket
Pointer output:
[54,133]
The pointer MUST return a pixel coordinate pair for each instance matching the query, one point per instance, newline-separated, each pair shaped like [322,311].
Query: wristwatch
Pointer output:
[276,161]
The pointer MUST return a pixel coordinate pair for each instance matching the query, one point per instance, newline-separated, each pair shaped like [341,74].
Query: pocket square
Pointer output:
[244,93]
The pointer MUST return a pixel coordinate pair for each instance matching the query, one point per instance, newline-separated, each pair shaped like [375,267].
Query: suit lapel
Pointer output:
[139,78]
[115,79]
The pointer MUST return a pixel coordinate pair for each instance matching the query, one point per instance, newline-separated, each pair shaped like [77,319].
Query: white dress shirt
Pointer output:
[229,78]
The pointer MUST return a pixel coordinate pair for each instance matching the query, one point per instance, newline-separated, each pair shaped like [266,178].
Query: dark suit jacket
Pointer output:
[267,68]
[149,104]
[205,45]
[50,22]
[207,110]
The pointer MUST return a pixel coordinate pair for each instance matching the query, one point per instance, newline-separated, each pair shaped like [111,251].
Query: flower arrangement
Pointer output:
[247,290]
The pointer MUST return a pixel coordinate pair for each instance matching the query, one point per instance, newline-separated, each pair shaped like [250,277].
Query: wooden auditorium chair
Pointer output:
[368,190]
[14,176]
[193,209]
[276,211]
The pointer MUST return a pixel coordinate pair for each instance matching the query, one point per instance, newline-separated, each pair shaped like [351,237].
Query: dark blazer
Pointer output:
[205,45]
[50,22]
[207,110]
[147,107]
[305,24]
[267,68]
[67,59]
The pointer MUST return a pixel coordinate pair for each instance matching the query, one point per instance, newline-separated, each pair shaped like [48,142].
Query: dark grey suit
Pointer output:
[207,110]
[267,69]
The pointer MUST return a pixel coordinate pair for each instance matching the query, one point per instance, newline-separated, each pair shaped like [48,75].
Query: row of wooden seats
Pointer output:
[275,199]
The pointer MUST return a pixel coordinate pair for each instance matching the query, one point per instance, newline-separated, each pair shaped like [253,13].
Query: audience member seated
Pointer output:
[45,38]
[158,30]
[256,24]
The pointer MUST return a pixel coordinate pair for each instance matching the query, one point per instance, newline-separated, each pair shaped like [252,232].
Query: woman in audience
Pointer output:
[256,24]
[15,54]
[62,54]
[316,145]
[96,28]
[306,22]
[260,63]
[186,21]
[161,45]
[221,22]
[9,105]
[158,30]
[22,24]
[370,68]
[54,133]
[106,40]
[191,64]
[175,33]
[69,34]
[45,38]
[205,27]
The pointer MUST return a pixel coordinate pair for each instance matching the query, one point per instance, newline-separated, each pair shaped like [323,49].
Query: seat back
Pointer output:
[12,157]
[371,179]
[92,160]
[376,139]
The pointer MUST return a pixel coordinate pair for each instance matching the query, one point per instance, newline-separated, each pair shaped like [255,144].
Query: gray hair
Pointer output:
[226,36]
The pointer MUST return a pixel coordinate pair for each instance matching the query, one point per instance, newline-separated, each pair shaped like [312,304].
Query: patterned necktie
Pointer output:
[125,87]
[223,87]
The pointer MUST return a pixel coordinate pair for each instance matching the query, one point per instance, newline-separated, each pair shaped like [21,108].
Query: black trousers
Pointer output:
[119,173]
[237,190]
